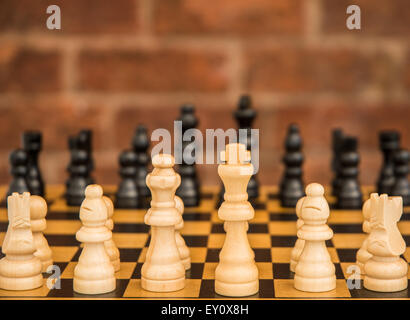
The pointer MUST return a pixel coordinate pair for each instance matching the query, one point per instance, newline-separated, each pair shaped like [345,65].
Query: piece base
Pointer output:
[162,285]
[19,284]
[315,285]
[94,286]
[385,285]
[236,289]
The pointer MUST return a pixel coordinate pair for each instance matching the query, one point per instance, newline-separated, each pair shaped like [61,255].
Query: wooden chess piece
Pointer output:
[300,243]
[182,247]
[94,273]
[315,271]
[236,274]
[38,212]
[110,246]
[385,271]
[163,270]
[32,144]
[363,254]
[20,269]
[18,161]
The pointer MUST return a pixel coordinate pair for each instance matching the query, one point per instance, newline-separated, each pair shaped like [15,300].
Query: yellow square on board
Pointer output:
[284,288]
[191,290]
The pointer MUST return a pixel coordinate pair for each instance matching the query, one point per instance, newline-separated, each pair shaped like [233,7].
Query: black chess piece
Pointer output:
[188,190]
[127,192]
[349,195]
[291,186]
[84,142]
[32,143]
[337,139]
[401,186]
[78,174]
[389,144]
[245,116]
[140,144]
[18,161]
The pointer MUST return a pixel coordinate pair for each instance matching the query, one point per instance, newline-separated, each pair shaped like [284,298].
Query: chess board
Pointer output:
[272,234]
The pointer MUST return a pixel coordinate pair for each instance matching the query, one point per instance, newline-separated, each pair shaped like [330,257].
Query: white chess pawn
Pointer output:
[163,270]
[300,243]
[20,269]
[94,273]
[315,271]
[110,246]
[236,274]
[38,212]
[182,247]
[385,271]
[363,254]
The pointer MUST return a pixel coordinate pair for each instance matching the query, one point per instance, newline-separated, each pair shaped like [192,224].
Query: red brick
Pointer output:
[56,119]
[235,17]
[26,70]
[152,70]
[77,16]
[378,17]
[299,69]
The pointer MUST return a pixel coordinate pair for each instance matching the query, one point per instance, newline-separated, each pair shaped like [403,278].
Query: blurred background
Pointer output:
[115,64]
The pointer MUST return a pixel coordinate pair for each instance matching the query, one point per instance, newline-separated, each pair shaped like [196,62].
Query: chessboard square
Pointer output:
[196,241]
[131,228]
[63,240]
[348,240]
[346,228]
[283,241]
[197,216]
[64,227]
[207,289]
[62,215]
[38,292]
[191,290]
[266,288]
[214,217]
[282,271]
[282,255]
[261,216]
[338,271]
[196,228]
[347,255]
[129,216]
[61,205]
[407,254]
[198,255]
[404,227]
[274,206]
[216,240]
[282,217]
[285,228]
[130,240]
[2,235]
[259,240]
[209,270]
[3,215]
[68,272]
[3,226]
[262,255]
[212,255]
[363,293]
[345,217]
[126,270]
[284,288]
[143,253]
[129,255]
[196,271]
[63,253]
[265,270]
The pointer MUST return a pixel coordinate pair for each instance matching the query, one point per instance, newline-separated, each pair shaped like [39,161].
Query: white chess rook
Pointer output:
[94,273]
[182,247]
[20,269]
[236,274]
[385,271]
[163,270]
[315,271]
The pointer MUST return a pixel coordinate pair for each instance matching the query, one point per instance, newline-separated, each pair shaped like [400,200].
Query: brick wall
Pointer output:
[118,63]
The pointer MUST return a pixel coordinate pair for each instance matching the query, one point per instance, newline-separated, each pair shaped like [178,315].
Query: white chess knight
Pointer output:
[236,274]
[385,271]
[315,271]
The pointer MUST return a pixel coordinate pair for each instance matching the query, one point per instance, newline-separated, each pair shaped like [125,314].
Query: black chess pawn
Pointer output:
[140,144]
[84,142]
[389,144]
[401,186]
[349,195]
[78,176]
[127,192]
[32,143]
[189,187]
[291,186]
[245,116]
[337,140]
[18,161]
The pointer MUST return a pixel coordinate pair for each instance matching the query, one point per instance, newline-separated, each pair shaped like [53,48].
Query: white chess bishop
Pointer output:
[236,274]
[385,271]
